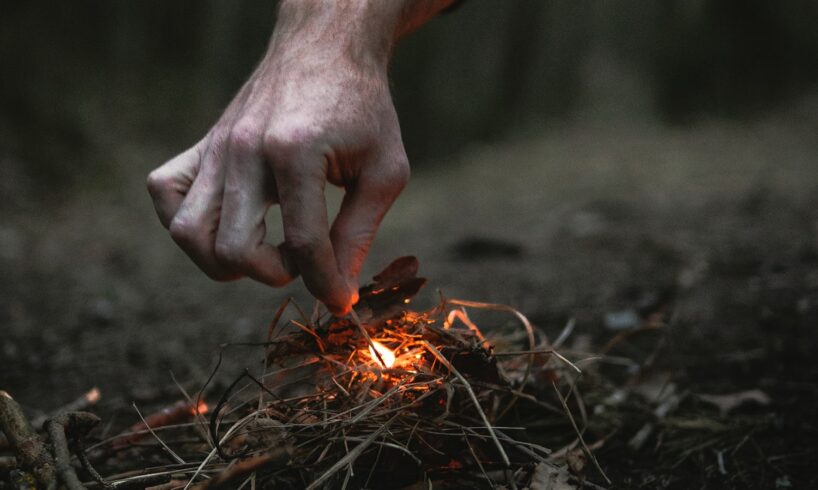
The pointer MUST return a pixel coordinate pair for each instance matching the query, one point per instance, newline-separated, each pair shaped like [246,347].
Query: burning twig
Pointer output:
[171,415]
[366,336]
[87,400]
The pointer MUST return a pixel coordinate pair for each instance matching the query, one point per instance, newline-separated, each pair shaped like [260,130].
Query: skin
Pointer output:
[317,110]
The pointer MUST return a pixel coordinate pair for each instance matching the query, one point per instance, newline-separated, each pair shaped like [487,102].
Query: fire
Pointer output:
[201,408]
[386,354]
[93,396]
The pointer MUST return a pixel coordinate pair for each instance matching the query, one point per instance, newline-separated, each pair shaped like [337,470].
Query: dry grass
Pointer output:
[395,398]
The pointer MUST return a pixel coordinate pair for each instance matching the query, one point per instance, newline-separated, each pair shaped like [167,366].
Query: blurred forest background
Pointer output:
[81,76]
[614,162]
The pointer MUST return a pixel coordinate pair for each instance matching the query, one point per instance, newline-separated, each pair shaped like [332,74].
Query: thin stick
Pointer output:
[541,351]
[579,434]
[357,321]
[30,448]
[311,332]
[529,331]
[239,424]
[474,400]
[566,332]
[199,420]
[350,456]
[167,448]
[62,457]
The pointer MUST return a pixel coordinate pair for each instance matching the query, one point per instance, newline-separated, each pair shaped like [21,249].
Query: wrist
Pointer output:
[362,31]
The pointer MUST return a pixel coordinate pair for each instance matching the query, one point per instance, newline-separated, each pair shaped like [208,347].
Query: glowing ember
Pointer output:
[201,409]
[386,354]
[93,395]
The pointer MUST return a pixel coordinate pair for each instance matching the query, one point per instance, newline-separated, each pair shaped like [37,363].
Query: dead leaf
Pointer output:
[549,477]
[576,460]
[728,402]
[393,288]
[400,269]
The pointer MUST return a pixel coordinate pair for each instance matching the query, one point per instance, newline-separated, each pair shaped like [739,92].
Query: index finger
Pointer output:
[300,180]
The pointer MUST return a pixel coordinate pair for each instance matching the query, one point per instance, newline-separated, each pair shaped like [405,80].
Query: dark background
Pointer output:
[83,74]
[575,159]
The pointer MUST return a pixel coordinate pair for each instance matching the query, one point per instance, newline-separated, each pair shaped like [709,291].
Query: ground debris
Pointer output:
[387,398]
[728,402]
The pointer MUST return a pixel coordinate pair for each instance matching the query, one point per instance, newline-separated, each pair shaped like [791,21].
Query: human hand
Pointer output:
[316,110]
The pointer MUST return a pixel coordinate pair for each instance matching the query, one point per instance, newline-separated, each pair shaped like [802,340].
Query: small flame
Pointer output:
[93,395]
[200,409]
[386,354]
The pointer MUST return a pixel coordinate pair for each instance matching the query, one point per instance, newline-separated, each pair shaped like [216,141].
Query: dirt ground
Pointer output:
[714,228]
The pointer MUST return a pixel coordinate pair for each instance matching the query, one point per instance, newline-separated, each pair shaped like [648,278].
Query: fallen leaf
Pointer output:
[576,460]
[549,477]
[393,288]
[728,402]
[400,269]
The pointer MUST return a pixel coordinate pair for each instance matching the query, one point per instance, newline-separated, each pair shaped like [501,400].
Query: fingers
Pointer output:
[249,190]
[300,174]
[195,224]
[362,210]
[169,183]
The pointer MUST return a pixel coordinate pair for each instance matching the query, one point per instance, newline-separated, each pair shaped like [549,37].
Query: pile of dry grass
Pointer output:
[388,398]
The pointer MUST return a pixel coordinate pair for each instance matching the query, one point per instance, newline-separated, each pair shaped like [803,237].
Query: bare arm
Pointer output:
[316,110]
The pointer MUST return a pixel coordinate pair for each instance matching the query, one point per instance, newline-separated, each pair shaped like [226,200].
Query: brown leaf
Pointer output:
[400,269]
[728,402]
[549,477]
[576,460]
[392,289]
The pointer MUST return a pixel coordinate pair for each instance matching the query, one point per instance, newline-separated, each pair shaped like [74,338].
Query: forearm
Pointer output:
[364,28]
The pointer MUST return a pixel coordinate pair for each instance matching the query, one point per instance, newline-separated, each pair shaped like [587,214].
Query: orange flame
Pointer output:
[201,408]
[386,354]
[93,395]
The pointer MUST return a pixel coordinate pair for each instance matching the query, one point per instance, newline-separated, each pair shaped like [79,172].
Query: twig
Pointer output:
[474,400]
[78,423]
[238,425]
[357,321]
[31,452]
[150,429]
[350,456]
[531,341]
[82,456]
[88,399]
[579,434]
[248,465]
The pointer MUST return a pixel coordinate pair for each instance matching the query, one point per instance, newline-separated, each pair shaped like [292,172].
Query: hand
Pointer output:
[316,110]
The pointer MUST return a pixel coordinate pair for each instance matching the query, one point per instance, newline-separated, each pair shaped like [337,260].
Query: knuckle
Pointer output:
[303,245]
[393,178]
[159,182]
[283,142]
[244,137]
[183,231]
[401,173]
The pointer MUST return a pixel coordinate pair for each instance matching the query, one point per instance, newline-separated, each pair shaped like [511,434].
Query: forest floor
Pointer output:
[710,231]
